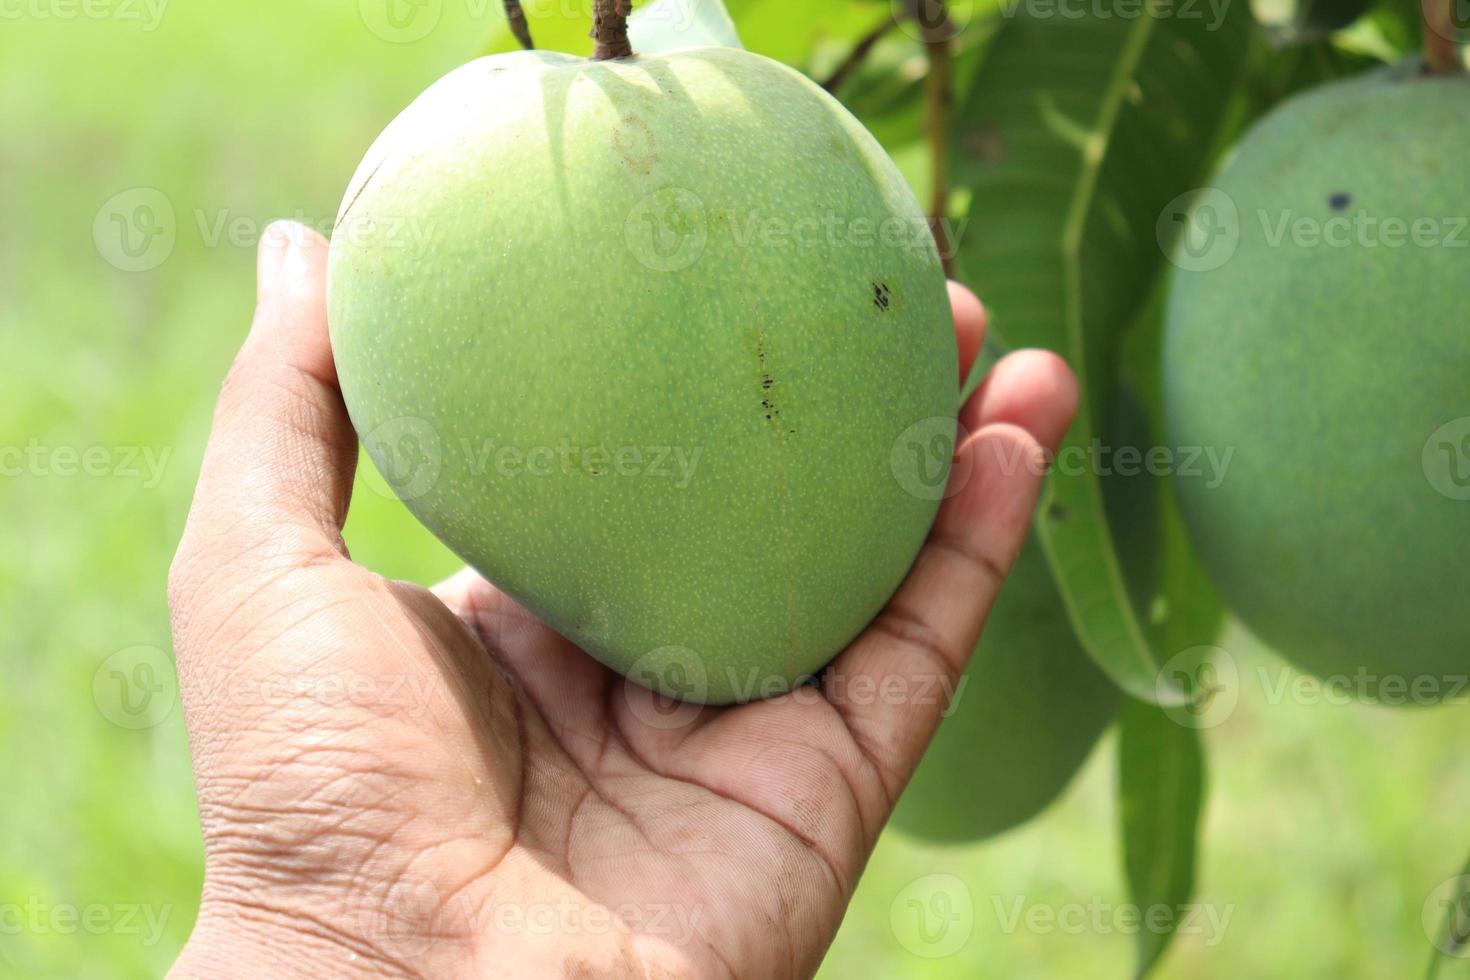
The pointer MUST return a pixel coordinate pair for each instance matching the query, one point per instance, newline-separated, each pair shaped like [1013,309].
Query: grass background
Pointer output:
[1328,826]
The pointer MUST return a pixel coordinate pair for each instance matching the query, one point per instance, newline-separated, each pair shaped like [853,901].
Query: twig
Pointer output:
[858,55]
[938,30]
[610,30]
[516,17]
[1441,53]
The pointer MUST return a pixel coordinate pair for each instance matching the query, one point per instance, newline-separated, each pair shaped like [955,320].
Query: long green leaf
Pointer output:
[1304,21]
[794,30]
[1186,613]
[1074,137]
[1160,797]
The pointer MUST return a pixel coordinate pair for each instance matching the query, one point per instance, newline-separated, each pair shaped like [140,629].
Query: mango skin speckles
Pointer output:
[661,347]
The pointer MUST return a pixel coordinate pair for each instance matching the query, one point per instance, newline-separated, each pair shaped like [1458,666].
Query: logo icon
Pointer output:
[1446,459]
[1211,680]
[932,21]
[408,457]
[136,688]
[404,920]
[676,683]
[400,21]
[135,231]
[1446,917]
[933,916]
[923,455]
[1199,230]
[667,231]
[1452,24]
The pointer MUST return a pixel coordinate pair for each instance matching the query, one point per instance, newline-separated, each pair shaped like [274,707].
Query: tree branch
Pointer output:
[858,55]
[1441,53]
[938,31]
[516,17]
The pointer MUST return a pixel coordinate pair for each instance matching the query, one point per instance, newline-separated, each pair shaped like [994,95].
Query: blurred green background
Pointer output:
[1328,828]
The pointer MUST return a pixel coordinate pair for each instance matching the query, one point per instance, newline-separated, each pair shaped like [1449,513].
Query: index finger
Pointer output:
[278,468]
[916,648]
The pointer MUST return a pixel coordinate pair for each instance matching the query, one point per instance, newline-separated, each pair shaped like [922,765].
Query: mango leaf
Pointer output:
[1280,73]
[1317,19]
[1399,25]
[1453,938]
[1074,137]
[671,25]
[887,91]
[1303,21]
[791,30]
[1186,611]
[1160,797]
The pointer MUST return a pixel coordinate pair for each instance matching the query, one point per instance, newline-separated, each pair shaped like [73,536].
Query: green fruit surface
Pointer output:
[662,347]
[1033,703]
[1338,372]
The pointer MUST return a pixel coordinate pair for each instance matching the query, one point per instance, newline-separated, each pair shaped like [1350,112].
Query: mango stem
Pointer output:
[610,30]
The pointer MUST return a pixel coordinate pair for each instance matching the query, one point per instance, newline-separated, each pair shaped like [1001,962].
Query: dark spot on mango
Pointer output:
[1339,200]
[769,407]
[882,296]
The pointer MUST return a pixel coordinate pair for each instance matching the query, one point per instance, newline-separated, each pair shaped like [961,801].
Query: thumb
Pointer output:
[277,473]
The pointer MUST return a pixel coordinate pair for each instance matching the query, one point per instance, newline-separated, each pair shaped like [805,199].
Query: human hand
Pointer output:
[399,781]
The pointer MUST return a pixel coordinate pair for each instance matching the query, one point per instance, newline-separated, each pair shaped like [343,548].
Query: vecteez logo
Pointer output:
[1211,12]
[1446,459]
[401,21]
[933,917]
[1199,230]
[1361,228]
[136,688]
[147,14]
[136,229]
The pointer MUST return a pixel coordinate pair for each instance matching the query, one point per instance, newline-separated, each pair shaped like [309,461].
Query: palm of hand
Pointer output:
[438,783]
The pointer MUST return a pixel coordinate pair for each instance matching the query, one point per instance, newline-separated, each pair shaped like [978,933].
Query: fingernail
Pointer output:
[299,264]
[274,244]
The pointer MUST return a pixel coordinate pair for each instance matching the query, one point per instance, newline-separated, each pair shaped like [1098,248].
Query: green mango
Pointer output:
[1032,702]
[662,347]
[1328,350]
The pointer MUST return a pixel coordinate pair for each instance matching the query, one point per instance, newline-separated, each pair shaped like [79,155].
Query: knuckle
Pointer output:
[910,631]
[991,570]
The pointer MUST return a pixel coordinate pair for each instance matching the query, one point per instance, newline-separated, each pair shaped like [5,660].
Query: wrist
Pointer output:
[265,930]
[235,937]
